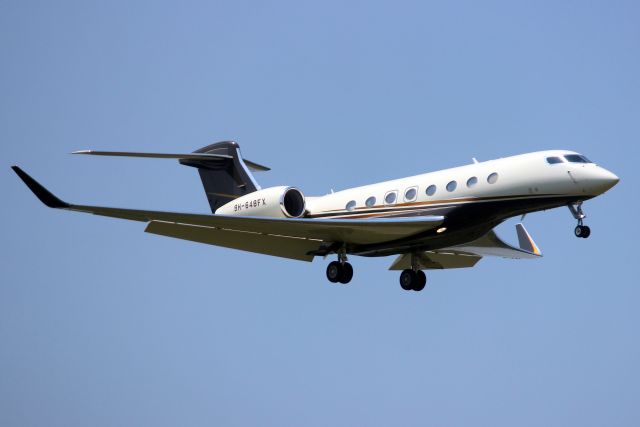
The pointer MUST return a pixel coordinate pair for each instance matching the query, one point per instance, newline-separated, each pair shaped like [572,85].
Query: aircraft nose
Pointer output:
[605,180]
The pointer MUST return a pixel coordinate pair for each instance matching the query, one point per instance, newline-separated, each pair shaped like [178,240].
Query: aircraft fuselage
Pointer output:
[473,198]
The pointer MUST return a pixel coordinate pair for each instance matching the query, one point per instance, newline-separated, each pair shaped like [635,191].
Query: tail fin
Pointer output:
[225,175]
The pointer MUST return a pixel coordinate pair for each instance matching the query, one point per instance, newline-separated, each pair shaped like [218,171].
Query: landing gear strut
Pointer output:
[413,279]
[581,230]
[340,271]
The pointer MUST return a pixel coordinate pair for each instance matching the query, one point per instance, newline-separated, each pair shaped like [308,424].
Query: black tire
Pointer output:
[586,231]
[578,231]
[347,273]
[334,271]
[421,281]
[407,279]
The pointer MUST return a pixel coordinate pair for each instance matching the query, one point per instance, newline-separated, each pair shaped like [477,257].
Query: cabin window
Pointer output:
[451,186]
[577,158]
[493,178]
[554,160]
[472,181]
[390,197]
[351,205]
[371,201]
[431,190]
[410,194]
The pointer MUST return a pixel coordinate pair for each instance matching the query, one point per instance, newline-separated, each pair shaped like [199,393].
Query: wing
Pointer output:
[287,237]
[491,245]
[468,254]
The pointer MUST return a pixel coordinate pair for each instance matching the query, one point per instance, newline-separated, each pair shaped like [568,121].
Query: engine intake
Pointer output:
[293,203]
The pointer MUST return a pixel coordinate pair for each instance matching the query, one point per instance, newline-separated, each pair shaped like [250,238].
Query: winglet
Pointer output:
[525,241]
[41,193]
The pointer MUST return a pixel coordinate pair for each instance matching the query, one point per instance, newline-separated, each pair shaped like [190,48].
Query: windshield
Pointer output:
[554,160]
[577,158]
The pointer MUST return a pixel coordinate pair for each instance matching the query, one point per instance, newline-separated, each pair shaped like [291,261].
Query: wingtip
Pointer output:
[526,242]
[44,195]
[82,152]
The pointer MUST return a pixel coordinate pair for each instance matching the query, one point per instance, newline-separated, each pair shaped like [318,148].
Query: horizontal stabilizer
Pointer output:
[187,156]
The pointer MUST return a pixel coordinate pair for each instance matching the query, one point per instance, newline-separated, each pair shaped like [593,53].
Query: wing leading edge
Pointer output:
[287,237]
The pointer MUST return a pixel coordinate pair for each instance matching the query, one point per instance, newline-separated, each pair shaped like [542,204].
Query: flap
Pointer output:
[285,247]
[436,260]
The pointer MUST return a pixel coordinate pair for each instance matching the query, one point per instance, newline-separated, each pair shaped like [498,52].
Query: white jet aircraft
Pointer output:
[436,220]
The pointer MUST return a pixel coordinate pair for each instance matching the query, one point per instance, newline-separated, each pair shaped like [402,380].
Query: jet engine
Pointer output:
[275,202]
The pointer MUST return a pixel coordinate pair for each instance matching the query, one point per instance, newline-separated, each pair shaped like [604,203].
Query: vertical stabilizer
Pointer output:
[226,176]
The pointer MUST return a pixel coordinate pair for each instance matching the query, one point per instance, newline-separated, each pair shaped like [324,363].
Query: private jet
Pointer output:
[436,220]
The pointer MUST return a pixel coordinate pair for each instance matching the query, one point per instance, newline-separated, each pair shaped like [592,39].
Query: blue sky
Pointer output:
[102,324]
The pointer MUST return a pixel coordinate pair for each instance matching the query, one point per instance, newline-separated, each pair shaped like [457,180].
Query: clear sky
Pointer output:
[104,325]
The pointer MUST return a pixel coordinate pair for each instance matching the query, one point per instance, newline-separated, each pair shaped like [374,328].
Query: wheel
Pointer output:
[586,231]
[579,231]
[421,281]
[346,274]
[407,279]
[334,271]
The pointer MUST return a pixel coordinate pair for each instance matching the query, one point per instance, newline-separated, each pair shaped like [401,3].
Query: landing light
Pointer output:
[441,230]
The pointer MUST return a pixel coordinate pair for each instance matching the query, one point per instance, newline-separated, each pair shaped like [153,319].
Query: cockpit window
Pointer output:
[577,158]
[554,160]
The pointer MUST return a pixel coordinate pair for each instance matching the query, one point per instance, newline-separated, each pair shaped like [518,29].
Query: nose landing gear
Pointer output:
[581,230]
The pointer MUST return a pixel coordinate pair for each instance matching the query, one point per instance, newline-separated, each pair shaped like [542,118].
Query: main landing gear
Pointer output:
[413,279]
[340,271]
[581,230]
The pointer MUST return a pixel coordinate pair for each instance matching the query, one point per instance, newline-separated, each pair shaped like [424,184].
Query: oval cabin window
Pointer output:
[390,198]
[431,190]
[493,178]
[351,205]
[410,194]
[472,181]
[451,186]
[371,201]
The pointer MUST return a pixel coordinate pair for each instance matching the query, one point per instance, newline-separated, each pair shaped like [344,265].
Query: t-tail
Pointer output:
[224,173]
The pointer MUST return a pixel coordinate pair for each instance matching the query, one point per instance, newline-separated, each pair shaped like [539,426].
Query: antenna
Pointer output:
[475,160]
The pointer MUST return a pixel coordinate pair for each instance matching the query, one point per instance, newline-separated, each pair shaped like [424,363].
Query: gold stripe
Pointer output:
[434,203]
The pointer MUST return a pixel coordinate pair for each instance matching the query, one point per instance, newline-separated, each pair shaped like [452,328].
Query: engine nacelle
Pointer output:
[274,202]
